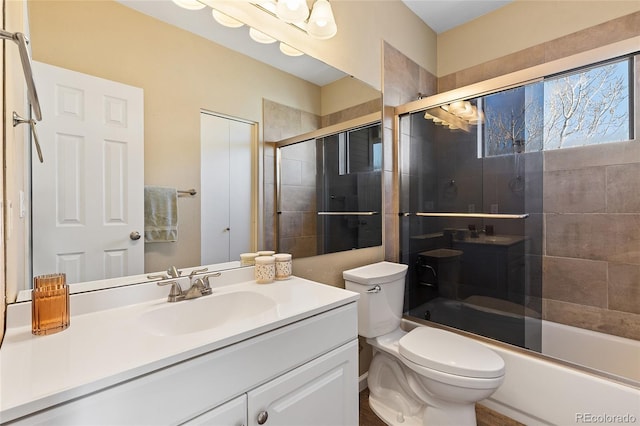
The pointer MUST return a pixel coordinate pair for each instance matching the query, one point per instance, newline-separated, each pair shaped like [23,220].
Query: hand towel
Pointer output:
[160,214]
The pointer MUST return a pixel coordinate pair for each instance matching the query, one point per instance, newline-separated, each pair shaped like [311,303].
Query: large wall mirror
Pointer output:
[182,75]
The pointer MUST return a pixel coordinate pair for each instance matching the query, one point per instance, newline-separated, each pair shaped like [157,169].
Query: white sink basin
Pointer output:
[207,312]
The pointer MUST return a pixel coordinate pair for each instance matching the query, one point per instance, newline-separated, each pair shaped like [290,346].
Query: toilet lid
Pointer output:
[450,353]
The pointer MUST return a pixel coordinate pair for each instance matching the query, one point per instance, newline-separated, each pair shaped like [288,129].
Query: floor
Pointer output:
[367,417]
[484,416]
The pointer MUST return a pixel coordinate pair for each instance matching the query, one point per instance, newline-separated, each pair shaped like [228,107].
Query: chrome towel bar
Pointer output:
[476,215]
[347,213]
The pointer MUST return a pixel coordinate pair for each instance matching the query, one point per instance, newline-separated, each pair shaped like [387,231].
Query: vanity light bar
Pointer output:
[476,215]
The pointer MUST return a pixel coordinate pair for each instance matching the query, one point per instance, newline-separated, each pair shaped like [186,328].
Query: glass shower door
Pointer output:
[471,224]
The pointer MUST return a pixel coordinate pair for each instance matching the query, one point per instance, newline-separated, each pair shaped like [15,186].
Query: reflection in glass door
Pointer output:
[349,196]
[329,193]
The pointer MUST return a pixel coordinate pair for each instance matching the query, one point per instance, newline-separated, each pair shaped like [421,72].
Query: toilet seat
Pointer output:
[453,380]
[449,353]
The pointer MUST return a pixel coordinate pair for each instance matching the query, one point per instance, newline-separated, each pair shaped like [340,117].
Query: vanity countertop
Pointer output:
[493,240]
[109,345]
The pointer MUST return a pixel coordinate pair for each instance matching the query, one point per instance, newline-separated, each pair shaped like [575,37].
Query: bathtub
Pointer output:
[541,391]
[609,354]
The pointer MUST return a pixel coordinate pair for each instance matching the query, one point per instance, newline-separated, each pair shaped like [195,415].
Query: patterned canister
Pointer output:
[265,269]
[283,266]
[248,259]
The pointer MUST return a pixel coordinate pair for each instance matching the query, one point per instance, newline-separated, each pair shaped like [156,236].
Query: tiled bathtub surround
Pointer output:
[591,275]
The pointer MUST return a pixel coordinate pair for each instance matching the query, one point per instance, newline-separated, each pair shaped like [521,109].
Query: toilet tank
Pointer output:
[381,288]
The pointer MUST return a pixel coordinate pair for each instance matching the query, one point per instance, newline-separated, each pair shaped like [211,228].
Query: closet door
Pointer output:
[226,188]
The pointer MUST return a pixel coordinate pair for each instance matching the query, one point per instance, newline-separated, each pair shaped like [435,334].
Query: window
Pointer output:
[584,107]
[588,107]
[359,150]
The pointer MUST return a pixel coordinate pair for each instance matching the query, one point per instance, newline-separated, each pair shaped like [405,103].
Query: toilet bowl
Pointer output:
[426,376]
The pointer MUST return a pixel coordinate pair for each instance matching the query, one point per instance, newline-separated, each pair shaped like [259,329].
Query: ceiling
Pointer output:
[443,15]
[440,15]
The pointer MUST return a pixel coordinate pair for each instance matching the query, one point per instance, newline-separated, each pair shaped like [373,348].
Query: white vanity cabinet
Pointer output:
[319,393]
[303,373]
[232,413]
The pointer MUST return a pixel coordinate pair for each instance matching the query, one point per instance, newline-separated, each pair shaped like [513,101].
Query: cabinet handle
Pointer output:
[262,417]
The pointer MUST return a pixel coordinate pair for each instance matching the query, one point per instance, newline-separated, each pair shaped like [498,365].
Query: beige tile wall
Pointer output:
[591,267]
[403,81]
[297,221]
[280,122]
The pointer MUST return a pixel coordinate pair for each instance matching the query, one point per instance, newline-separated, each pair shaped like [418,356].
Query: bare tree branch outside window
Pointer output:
[588,107]
[584,108]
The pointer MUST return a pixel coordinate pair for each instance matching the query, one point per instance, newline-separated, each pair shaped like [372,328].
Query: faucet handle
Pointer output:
[206,277]
[197,271]
[173,272]
[175,293]
[158,277]
[205,282]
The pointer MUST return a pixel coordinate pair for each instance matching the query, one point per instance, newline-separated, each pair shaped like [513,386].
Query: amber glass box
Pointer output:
[49,304]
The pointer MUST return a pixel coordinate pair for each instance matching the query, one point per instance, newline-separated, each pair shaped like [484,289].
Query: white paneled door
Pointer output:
[88,194]
[226,185]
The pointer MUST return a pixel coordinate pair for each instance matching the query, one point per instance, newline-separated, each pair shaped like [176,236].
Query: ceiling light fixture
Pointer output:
[292,10]
[322,24]
[289,51]
[269,5]
[225,20]
[260,37]
[190,4]
[456,115]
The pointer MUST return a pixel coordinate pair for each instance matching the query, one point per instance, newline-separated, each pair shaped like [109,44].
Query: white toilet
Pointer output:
[424,377]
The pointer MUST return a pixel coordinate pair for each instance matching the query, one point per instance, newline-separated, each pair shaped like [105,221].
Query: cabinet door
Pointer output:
[320,393]
[232,413]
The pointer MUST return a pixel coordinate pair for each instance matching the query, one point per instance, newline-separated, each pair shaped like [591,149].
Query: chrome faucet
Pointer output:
[199,285]
[175,294]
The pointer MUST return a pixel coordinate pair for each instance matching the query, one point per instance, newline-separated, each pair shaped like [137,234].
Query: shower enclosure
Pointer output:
[329,192]
[471,226]
[519,212]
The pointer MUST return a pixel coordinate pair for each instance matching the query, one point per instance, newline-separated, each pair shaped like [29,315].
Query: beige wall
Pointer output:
[345,93]
[180,74]
[14,151]
[520,25]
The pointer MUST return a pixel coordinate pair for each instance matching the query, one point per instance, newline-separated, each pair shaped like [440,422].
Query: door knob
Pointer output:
[262,417]
[134,235]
